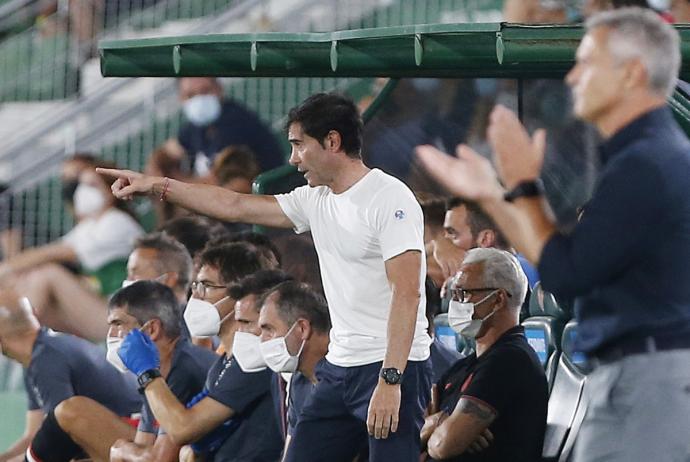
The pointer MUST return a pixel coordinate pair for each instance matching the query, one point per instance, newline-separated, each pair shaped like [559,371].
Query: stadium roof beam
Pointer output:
[429,50]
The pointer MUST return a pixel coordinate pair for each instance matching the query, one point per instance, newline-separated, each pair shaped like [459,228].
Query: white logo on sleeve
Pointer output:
[399,214]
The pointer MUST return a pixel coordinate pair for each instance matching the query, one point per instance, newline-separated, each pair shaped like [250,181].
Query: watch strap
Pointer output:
[529,188]
[146,377]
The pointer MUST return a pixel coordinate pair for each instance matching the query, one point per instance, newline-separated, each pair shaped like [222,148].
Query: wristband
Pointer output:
[166,185]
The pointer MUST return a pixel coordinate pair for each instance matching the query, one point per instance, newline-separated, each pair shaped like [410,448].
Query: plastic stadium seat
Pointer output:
[576,358]
[565,402]
[542,334]
[543,303]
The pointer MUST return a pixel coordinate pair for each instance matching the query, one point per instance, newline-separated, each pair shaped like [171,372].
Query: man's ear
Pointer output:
[486,238]
[306,329]
[171,279]
[334,141]
[155,329]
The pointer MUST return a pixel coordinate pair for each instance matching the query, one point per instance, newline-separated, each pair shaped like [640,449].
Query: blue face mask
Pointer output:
[202,110]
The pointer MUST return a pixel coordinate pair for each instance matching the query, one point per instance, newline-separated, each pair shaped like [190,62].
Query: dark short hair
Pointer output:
[172,256]
[296,300]
[146,300]
[262,242]
[233,261]
[193,232]
[477,219]
[257,284]
[323,112]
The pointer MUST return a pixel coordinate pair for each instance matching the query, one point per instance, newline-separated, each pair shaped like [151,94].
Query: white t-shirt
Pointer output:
[98,241]
[354,233]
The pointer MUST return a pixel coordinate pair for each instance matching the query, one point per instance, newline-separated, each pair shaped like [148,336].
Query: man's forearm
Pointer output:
[220,203]
[170,413]
[525,223]
[402,322]
[209,200]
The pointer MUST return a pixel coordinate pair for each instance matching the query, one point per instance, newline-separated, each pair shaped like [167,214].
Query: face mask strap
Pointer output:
[215,305]
[299,352]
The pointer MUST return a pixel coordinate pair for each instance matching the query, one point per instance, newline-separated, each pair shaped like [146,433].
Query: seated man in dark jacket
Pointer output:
[492,404]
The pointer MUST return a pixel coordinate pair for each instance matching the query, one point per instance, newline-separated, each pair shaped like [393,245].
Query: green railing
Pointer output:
[42,62]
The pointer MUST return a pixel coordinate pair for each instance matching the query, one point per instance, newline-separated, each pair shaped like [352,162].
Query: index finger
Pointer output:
[113,172]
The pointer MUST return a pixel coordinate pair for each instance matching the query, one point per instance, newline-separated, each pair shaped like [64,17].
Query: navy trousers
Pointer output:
[332,425]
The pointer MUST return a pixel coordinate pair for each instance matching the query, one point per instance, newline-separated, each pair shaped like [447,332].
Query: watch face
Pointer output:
[391,375]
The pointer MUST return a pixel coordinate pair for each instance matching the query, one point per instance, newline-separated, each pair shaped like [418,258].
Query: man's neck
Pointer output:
[313,353]
[491,336]
[166,349]
[349,173]
[619,117]
[227,335]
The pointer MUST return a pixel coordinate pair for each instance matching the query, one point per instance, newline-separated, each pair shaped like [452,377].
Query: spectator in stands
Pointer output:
[69,176]
[368,231]
[145,308]
[502,387]
[235,168]
[99,243]
[295,324]
[232,419]
[12,218]
[614,262]
[214,123]
[59,367]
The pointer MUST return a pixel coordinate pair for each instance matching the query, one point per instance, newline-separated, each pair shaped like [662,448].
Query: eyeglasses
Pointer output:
[200,287]
[463,295]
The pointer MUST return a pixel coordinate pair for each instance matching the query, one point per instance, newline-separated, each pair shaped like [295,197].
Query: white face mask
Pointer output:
[113,345]
[278,358]
[460,317]
[88,200]
[202,110]
[660,5]
[247,352]
[202,317]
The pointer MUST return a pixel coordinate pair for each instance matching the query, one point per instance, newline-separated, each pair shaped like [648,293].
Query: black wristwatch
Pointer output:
[146,377]
[531,188]
[391,375]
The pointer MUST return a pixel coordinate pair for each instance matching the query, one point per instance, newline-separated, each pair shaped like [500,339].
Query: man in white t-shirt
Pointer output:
[368,231]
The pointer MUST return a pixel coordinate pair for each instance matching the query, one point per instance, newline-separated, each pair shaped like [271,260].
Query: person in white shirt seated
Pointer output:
[99,245]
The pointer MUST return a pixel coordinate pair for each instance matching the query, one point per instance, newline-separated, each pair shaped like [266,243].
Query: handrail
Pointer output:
[25,138]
